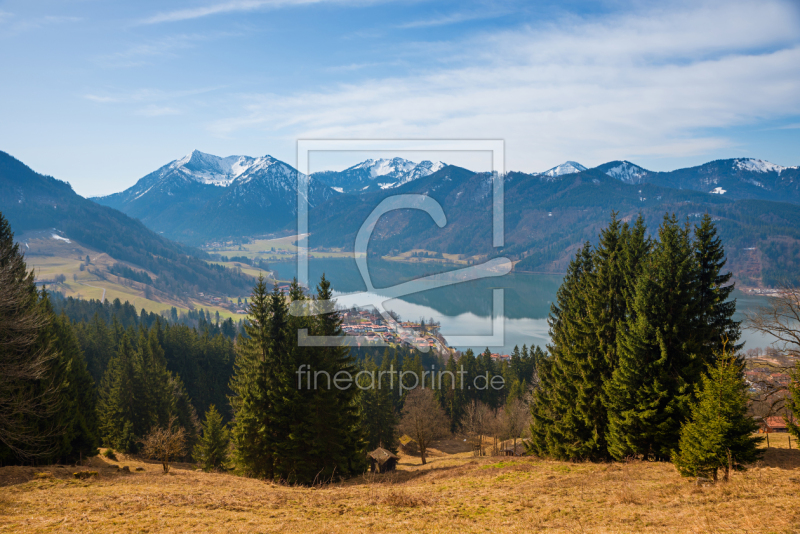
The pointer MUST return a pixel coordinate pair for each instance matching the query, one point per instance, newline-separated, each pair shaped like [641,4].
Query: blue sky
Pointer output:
[100,93]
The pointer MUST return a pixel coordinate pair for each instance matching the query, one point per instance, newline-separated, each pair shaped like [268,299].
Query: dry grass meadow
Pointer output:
[454,493]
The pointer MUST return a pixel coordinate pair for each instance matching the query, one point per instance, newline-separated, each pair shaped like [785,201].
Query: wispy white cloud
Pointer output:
[649,83]
[158,111]
[19,25]
[142,96]
[453,18]
[233,6]
[143,53]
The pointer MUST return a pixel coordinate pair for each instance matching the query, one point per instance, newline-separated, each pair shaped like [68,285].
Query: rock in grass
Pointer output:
[82,475]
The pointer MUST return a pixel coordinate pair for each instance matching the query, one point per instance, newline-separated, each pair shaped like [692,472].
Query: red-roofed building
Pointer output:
[776,423]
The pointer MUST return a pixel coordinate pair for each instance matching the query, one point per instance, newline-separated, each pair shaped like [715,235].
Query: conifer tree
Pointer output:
[76,418]
[211,450]
[451,395]
[121,423]
[252,424]
[719,434]
[339,445]
[29,390]
[660,353]
[378,418]
[557,428]
[715,311]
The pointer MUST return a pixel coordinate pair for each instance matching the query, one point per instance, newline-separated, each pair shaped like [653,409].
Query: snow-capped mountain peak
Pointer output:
[757,165]
[568,167]
[627,172]
[210,169]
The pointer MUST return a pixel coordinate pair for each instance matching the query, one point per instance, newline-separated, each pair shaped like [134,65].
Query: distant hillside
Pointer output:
[547,218]
[742,178]
[34,202]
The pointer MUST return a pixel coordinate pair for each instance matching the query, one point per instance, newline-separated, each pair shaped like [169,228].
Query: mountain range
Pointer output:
[548,215]
[547,220]
[202,197]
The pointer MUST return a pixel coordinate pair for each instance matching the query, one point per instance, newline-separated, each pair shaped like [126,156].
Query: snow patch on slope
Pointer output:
[718,191]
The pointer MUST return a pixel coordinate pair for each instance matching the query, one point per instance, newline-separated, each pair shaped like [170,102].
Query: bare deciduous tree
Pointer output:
[165,444]
[516,417]
[781,320]
[477,422]
[423,419]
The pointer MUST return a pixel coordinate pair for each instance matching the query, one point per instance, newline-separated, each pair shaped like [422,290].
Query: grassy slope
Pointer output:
[50,257]
[454,493]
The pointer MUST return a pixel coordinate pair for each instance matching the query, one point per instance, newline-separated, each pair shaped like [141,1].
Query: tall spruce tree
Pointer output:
[661,352]
[558,429]
[713,290]
[719,434]
[339,443]
[252,431]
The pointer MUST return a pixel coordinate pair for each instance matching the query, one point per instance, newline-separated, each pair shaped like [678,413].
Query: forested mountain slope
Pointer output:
[32,201]
[547,219]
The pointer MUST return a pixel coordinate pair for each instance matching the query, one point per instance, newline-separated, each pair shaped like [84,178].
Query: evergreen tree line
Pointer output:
[82,311]
[201,361]
[637,324]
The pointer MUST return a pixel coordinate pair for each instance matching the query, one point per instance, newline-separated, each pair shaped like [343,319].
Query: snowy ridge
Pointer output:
[421,170]
[378,173]
[568,167]
[758,165]
[627,172]
[210,169]
[384,167]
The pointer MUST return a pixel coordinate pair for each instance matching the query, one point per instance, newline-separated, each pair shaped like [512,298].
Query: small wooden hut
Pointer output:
[381,461]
